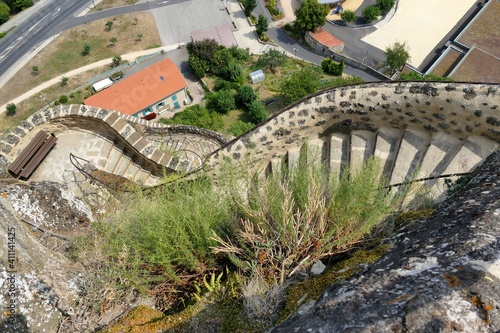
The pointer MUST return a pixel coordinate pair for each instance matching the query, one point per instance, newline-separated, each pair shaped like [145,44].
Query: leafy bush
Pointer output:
[4,12]
[222,84]
[11,109]
[234,72]
[413,76]
[245,96]
[240,55]
[371,13]
[240,127]
[262,25]
[198,116]
[198,65]
[257,111]
[221,101]
[299,84]
[19,5]
[63,99]
[331,67]
[348,15]
[385,5]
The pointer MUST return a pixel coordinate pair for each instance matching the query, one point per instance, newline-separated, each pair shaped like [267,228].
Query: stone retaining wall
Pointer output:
[458,109]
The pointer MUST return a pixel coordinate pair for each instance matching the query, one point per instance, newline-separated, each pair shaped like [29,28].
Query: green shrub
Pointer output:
[371,13]
[385,5]
[4,12]
[198,116]
[240,127]
[245,96]
[331,67]
[257,111]
[348,15]
[63,99]
[11,109]
[221,101]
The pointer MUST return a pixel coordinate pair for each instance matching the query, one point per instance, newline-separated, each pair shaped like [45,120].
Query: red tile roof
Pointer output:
[323,37]
[140,90]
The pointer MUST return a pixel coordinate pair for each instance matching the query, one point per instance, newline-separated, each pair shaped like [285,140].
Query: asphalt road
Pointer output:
[54,17]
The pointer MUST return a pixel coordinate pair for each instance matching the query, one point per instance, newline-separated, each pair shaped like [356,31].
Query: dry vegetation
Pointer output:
[65,53]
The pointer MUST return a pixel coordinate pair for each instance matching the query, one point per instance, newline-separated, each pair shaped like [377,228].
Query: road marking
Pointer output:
[58,9]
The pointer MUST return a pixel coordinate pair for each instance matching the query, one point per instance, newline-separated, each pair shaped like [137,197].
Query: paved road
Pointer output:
[53,18]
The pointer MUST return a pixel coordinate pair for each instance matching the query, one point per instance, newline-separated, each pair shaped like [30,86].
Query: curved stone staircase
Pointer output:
[417,129]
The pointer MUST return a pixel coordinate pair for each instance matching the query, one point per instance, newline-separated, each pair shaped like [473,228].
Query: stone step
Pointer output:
[473,151]
[293,156]
[410,153]
[386,147]
[316,151]
[113,158]
[153,180]
[339,153]
[122,165]
[104,153]
[142,176]
[362,145]
[131,171]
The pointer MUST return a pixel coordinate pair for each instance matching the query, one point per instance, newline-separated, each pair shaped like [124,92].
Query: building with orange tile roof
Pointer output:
[155,89]
[322,42]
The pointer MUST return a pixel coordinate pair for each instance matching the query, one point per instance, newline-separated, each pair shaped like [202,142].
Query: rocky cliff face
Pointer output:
[38,285]
[441,274]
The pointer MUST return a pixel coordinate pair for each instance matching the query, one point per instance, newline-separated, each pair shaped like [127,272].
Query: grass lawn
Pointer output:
[65,52]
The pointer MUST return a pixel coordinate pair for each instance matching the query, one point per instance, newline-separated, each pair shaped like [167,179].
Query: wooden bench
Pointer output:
[31,156]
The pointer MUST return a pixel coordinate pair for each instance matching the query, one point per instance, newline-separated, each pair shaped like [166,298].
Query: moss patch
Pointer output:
[312,288]
[412,215]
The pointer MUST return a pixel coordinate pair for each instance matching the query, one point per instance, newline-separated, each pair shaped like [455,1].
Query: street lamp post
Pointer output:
[295,51]
[43,97]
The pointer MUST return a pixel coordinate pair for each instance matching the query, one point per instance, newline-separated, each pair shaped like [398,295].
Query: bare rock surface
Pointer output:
[441,274]
[38,286]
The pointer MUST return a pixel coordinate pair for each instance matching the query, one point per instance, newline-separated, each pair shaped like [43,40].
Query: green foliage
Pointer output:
[117,60]
[262,25]
[139,37]
[221,101]
[63,99]
[249,6]
[219,63]
[245,96]
[371,13]
[64,81]
[300,84]
[18,5]
[272,59]
[160,232]
[310,15]
[4,12]
[198,116]
[302,214]
[397,55]
[11,109]
[331,67]
[234,72]
[339,81]
[457,185]
[34,70]
[413,76]
[113,40]
[109,25]
[204,49]
[198,65]
[240,127]
[257,111]
[385,5]
[222,84]
[86,49]
[348,15]
[240,55]
[3,34]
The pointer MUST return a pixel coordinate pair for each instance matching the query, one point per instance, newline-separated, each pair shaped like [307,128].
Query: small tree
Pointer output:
[262,25]
[4,12]
[64,81]
[139,37]
[117,60]
[348,15]
[63,99]
[371,13]
[257,112]
[113,41]
[135,20]
[109,25]
[331,67]
[385,5]
[11,109]
[34,70]
[234,72]
[272,59]
[299,84]
[86,49]
[221,101]
[397,55]
[245,96]
[249,6]
[198,65]
[310,15]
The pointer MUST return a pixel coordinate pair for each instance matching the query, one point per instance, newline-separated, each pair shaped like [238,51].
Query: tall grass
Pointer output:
[302,214]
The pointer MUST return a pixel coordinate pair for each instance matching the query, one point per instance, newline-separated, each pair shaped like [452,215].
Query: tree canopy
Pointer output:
[300,84]
[397,55]
[272,59]
[198,116]
[310,15]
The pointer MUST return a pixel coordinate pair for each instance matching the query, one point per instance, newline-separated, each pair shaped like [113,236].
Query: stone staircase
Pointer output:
[404,154]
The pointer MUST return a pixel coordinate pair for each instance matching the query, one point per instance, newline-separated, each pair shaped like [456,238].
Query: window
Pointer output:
[162,78]
[174,97]
[159,105]
[176,105]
